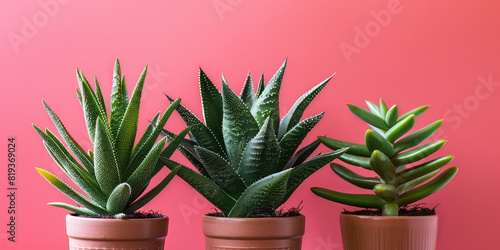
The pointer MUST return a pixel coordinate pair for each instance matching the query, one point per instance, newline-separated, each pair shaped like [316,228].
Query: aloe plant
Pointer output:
[247,159]
[116,172]
[386,152]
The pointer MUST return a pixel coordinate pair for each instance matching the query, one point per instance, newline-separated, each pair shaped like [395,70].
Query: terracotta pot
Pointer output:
[284,233]
[389,232]
[123,234]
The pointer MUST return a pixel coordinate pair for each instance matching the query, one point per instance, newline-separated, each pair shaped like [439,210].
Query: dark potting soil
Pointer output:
[137,215]
[410,210]
[281,212]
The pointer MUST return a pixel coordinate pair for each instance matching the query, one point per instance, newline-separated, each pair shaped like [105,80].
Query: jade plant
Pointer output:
[247,158]
[387,153]
[115,173]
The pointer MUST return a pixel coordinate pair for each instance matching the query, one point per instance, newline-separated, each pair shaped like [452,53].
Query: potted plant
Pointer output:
[115,173]
[396,184]
[247,162]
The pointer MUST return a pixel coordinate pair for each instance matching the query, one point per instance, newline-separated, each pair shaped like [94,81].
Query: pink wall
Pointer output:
[442,53]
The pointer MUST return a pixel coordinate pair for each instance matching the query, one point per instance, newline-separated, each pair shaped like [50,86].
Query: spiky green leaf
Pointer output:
[302,155]
[105,164]
[74,209]
[247,94]
[119,100]
[211,101]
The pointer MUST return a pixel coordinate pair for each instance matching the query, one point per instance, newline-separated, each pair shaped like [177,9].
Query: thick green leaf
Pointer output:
[383,108]
[374,108]
[360,161]
[302,155]
[383,166]
[247,93]
[260,88]
[293,138]
[211,101]
[413,183]
[68,139]
[221,172]
[354,148]
[119,100]
[99,97]
[357,200]
[306,169]
[428,188]
[68,191]
[295,113]
[118,199]
[203,135]
[238,125]
[417,137]
[385,191]
[264,196]
[417,112]
[268,102]
[89,104]
[107,172]
[375,141]
[145,170]
[261,155]
[422,169]
[392,116]
[147,134]
[353,178]
[75,209]
[417,154]
[368,117]
[400,129]
[128,127]
[206,187]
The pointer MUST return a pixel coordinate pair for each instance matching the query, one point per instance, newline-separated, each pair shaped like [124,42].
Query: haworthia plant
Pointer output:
[386,152]
[116,172]
[248,161]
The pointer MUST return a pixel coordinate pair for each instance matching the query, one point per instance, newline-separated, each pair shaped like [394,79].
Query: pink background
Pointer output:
[442,53]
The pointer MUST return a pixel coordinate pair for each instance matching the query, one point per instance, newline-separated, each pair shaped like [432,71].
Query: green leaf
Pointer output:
[75,209]
[293,138]
[306,169]
[422,169]
[211,101]
[268,102]
[128,127]
[105,165]
[383,166]
[400,128]
[374,141]
[204,136]
[360,161]
[145,170]
[428,188]
[147,134]
[247,93]
[238,125]
[295,113]
[413,183]
[206,187]
[65,189]
[221,172]
[417,137]
[261,155]
[353,178]
[99,98]
[357,200]
[264,196]
[354,148]
[146,147]
[383,108]
[145,199]
[385,191]
[260,88]
[68,139]
[302,154]
[119,100]
[374,108]
[118,199]
[417,112]
[392,116]
[368,117]
[417,154]
[89,104]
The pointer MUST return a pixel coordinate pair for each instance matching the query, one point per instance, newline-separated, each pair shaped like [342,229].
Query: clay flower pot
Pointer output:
[388,232]
[253,233]
[123,234]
